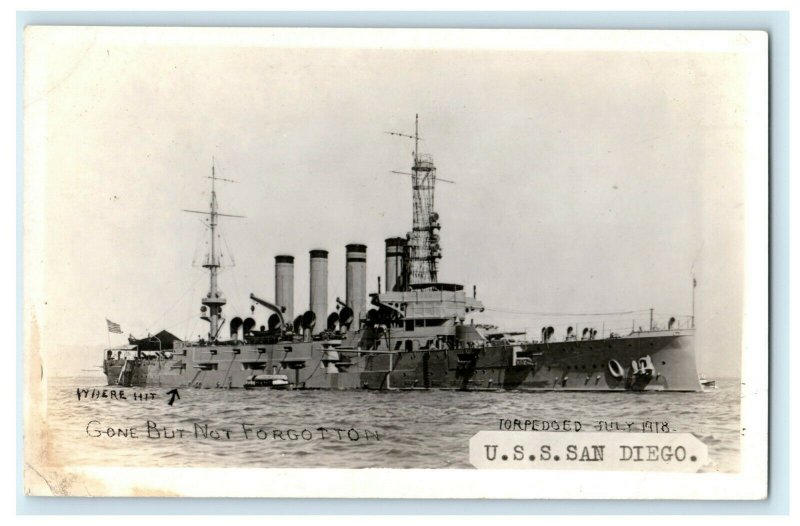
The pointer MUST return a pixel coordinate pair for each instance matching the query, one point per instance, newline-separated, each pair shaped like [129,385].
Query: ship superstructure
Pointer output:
[416,334]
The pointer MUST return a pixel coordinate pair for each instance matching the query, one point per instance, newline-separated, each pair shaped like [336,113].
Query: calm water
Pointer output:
[415,429]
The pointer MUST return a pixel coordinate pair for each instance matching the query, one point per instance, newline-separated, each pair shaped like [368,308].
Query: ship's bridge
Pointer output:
[431,301]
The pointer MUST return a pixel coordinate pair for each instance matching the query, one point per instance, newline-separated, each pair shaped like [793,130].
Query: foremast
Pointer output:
[422,242]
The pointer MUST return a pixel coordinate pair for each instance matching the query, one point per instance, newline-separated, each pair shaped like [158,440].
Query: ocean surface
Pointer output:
[349,429]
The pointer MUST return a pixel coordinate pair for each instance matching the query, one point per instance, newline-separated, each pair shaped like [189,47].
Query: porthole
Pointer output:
[663,363]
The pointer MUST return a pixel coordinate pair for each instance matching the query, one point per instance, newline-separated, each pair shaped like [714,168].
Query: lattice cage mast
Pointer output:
[423,240]
[422,250]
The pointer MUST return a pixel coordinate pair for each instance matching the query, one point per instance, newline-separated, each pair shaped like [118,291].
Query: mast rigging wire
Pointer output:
[554,314]
[190,288]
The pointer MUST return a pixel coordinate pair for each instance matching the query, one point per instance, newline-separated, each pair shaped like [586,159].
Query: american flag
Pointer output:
[113,327]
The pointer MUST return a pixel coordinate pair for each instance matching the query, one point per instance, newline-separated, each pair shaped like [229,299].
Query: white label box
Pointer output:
[672,452]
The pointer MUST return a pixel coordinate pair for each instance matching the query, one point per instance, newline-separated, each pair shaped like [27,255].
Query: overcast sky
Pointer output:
[586,180]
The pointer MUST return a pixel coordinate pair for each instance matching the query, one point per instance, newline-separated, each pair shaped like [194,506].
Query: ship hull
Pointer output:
[612,364]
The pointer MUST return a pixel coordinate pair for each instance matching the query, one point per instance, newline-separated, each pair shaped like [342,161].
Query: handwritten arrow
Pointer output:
[174,394]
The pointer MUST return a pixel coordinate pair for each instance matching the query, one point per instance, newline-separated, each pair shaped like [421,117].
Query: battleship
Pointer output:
[418,333]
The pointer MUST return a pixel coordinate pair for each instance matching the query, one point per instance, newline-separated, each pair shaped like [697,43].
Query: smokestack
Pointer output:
[284,285]
[394,262]
[356,282]
[318,297]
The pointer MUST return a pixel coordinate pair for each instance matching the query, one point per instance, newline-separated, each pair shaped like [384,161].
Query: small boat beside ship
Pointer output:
[278,382]
[706,383]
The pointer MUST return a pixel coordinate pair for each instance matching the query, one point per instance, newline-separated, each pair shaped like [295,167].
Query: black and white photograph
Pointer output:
[395,263]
